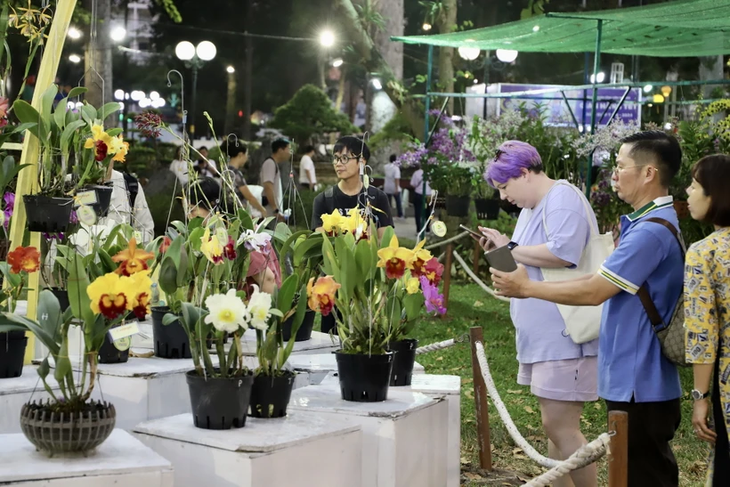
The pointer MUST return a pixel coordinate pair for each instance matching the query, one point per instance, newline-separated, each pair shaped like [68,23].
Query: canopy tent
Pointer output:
[674,29]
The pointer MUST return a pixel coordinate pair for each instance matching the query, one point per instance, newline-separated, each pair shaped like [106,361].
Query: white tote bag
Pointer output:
[582,323]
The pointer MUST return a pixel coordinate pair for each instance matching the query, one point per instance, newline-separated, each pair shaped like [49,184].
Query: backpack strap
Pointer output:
[643,293]
[329,199]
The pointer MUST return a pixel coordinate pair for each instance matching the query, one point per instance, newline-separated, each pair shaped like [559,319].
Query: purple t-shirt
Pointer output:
[540,328]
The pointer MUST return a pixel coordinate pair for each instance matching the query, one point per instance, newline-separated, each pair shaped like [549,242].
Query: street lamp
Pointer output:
[327,38]
[507,55]
[230,70]
[74,33]
[118,33]
[195,57]
[469,53]
[74,58]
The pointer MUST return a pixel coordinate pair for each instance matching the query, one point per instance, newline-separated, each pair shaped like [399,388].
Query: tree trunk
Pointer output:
[373,61]
[98,61]
[446,24]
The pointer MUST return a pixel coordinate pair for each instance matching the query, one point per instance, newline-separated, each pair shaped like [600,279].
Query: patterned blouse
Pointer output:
[707,311]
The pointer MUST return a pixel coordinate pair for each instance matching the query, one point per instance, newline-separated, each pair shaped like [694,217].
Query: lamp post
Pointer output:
[195,57]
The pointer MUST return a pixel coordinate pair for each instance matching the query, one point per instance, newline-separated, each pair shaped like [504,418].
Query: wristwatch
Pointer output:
[512,245]
[698,396]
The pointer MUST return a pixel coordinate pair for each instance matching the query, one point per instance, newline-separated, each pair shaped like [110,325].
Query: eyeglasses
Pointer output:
[342,160]
[617,169]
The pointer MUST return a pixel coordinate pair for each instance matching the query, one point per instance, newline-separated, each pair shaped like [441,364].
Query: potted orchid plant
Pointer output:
[377,289]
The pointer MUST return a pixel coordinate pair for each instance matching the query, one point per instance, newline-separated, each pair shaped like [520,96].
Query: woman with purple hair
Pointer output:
[552,231]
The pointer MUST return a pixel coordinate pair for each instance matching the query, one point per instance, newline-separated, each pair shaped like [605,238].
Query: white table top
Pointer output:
[258,436]
[325,362]
[29,381]
[120,453]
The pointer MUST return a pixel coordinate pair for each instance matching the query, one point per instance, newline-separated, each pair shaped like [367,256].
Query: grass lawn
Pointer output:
[470,306]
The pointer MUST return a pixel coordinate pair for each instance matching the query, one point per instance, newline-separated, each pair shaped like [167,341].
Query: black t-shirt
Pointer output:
[344,203]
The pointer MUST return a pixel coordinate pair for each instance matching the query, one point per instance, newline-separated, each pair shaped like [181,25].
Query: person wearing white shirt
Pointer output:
[392,184]
[307,176]
[417,185]
[133,211]
[179,168]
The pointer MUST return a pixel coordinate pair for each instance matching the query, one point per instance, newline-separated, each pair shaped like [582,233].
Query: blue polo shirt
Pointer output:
[630,360]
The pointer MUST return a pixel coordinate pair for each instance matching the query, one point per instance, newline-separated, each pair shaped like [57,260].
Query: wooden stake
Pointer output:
[28,177]
[618,459]
[481,403]
[476,254]
[447,276]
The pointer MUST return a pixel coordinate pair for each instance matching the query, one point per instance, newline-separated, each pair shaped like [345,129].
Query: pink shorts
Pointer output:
[573,380]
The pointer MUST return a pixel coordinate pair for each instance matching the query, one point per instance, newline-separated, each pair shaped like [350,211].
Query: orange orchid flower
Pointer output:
[132,259]
[24,259]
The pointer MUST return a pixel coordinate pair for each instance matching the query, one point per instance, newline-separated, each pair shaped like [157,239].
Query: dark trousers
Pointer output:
[651,428]
[418,207]
[721,477]
[398,204]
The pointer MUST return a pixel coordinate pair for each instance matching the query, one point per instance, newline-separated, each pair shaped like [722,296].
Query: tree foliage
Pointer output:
[310,112]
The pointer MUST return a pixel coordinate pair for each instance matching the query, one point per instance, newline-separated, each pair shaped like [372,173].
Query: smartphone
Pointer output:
[478,235]
[501,259]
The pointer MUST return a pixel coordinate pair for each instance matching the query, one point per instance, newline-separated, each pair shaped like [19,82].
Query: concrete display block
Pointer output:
[121,461]
[17,391]
[317,366]
[404,438]
[449,388]
[303,449]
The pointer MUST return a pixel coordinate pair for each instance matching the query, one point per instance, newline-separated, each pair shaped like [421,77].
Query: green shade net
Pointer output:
[683,28]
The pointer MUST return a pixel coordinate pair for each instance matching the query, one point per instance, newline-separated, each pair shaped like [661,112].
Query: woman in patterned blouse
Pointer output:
[707,312]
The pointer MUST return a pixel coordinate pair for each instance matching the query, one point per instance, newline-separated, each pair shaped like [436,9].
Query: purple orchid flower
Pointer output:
[9,200]
[434,300]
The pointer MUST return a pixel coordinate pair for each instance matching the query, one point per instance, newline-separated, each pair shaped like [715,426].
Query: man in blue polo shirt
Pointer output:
[633,375]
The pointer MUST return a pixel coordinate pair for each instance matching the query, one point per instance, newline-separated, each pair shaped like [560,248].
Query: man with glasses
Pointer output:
[350,157]
[633,374]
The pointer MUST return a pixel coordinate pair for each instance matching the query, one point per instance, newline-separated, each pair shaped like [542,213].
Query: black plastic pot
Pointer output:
[364,378]
[103,199]
[457,205]
[62,296]
[270,395]
[47,214]
[304,332]
[12,353]
[487,209]
[171,341]
[405,357]
[109,353]
[219,404]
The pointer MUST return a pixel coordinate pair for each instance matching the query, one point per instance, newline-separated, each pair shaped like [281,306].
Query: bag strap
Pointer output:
[584,200]
[643,293]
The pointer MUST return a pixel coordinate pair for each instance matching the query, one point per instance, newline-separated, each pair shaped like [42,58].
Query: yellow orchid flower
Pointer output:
[395,259]
[111,295]
[141,284]
[420,257]
[119,148]
[412,286]
[322,294]
[211,247]
[332,223]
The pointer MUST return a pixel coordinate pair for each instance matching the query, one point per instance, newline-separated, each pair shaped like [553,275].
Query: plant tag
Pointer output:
[222,235]
[86,215]
[438,228]
[138,236]
[366,181]
[122,344]
[124,331]
[85,198]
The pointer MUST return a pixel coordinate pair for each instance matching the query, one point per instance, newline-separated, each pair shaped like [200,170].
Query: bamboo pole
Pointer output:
[480,402]
[447,276]
[28,178]
[618,457]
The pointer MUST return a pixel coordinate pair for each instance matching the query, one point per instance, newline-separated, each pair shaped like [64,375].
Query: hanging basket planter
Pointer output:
[457,205]
[171,341]
[364,378]
[487,209]
[103,196]
[52,431]
[219,403]
[403,361]
[47,214]
[12,354]
[270,395]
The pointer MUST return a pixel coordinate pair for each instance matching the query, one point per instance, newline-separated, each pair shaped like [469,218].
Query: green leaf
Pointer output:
[68,133]
[76,91]
[285,296]
[78,282]
[47,105]
[63,363]
[44,369]
[167,278]
[114,132]
[59,116]
[27,114]
[363,257]
[88,113]
[49,313]
[107,110]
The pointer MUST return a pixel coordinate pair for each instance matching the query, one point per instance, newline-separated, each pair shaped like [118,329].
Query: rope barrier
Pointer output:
[476,279]
[444,242]
[583,456]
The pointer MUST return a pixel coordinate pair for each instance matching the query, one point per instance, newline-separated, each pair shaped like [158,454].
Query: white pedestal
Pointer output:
[302,450]
[316,366]
[404,438]
[447,387]
[18,391]
[121,461]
